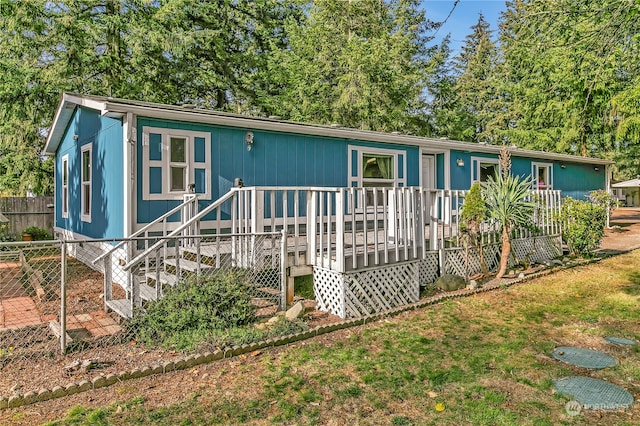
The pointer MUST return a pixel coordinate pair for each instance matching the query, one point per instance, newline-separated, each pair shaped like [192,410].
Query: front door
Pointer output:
[429,171]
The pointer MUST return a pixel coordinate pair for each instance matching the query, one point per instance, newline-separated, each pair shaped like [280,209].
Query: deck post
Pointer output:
[108,280]
[340,218]
[286,287]
[312,206]
[433,220]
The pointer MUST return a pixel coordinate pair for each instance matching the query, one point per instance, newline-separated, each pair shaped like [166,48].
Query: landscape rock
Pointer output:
[557,262]
[450,282]
[473,284]
[296,311]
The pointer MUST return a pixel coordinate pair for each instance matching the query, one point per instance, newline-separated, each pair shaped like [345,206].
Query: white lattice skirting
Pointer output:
[429,268]
[455,260]
[538,249]
[356,294]
[534,249]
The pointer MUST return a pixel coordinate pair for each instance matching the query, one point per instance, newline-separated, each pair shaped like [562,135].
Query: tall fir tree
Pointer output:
[361,64]
[475,87]
[172,51]
[561,78]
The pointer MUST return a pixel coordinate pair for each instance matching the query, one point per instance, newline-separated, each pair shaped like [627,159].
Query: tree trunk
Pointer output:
[506,250]
[483,263]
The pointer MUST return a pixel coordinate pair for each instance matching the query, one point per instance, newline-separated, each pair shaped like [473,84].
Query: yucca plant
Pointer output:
[507,200]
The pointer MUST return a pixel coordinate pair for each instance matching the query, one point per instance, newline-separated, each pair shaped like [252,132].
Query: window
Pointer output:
[486,170]
[175,162]
[483,168]
[86,183]
[375,167]
[377,170]
[542,174]
[178,164]
[65,186]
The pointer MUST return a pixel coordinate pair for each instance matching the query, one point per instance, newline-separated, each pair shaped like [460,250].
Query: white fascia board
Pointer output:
[64,113]
[633,183]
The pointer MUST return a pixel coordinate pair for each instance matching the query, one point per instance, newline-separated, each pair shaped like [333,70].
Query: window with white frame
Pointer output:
[542,174]
[175,162]
[65,186]
[376,167]
[86,183]
[483,168]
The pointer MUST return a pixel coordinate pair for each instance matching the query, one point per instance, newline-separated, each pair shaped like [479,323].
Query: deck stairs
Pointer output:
[184,254]
[151,283]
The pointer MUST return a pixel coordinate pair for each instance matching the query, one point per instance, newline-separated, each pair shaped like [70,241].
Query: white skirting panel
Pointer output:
[429,268]
[533,249]
[360,293]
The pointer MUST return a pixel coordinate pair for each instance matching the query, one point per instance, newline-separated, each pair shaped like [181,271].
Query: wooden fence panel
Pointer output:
[23,212]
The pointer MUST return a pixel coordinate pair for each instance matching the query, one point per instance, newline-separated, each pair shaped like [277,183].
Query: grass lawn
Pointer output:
[481,360]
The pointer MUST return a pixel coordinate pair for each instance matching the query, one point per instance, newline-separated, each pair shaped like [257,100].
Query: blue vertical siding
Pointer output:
[577,180]
[107,199]
[275,159]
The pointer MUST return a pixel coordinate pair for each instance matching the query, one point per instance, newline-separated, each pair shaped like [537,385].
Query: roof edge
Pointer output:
[172,112]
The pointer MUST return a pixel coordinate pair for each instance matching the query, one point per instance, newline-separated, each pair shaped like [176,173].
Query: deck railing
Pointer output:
[349,228]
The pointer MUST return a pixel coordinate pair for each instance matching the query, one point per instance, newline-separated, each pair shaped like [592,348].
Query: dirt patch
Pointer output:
[624,233]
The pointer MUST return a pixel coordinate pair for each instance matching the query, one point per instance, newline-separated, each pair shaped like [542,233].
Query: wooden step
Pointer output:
[187,265]
[165,277]
[264,308]
[147,292]
[121,306]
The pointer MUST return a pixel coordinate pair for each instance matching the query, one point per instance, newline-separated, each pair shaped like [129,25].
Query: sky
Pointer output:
[463,17]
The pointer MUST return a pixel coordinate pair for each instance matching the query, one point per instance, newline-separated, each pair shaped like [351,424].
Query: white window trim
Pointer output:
[64,186]
[361,150]
[86,217]
[359,179]
[164,164]
[178,165]
[534,175]
[478,161]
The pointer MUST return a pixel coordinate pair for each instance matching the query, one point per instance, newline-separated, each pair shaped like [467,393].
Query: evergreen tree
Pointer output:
[475,87]
[361,64]
[171,51]
[562,75]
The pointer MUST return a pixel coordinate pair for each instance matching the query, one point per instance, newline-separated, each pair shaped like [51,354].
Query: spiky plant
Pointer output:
[507,200]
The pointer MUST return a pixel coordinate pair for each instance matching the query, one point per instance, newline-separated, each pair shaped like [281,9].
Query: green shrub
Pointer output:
[583,225]
[37,233]
[192,311]
[5,233]
[604,199]
[474,212]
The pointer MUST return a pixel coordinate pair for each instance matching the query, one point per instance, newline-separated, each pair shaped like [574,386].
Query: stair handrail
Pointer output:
[178,230]
[146,228]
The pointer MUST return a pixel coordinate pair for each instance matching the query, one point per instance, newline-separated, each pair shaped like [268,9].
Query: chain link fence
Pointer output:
[64,298]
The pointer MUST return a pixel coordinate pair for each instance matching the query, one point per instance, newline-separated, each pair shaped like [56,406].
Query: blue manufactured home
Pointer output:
[120,164]
[359,209]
